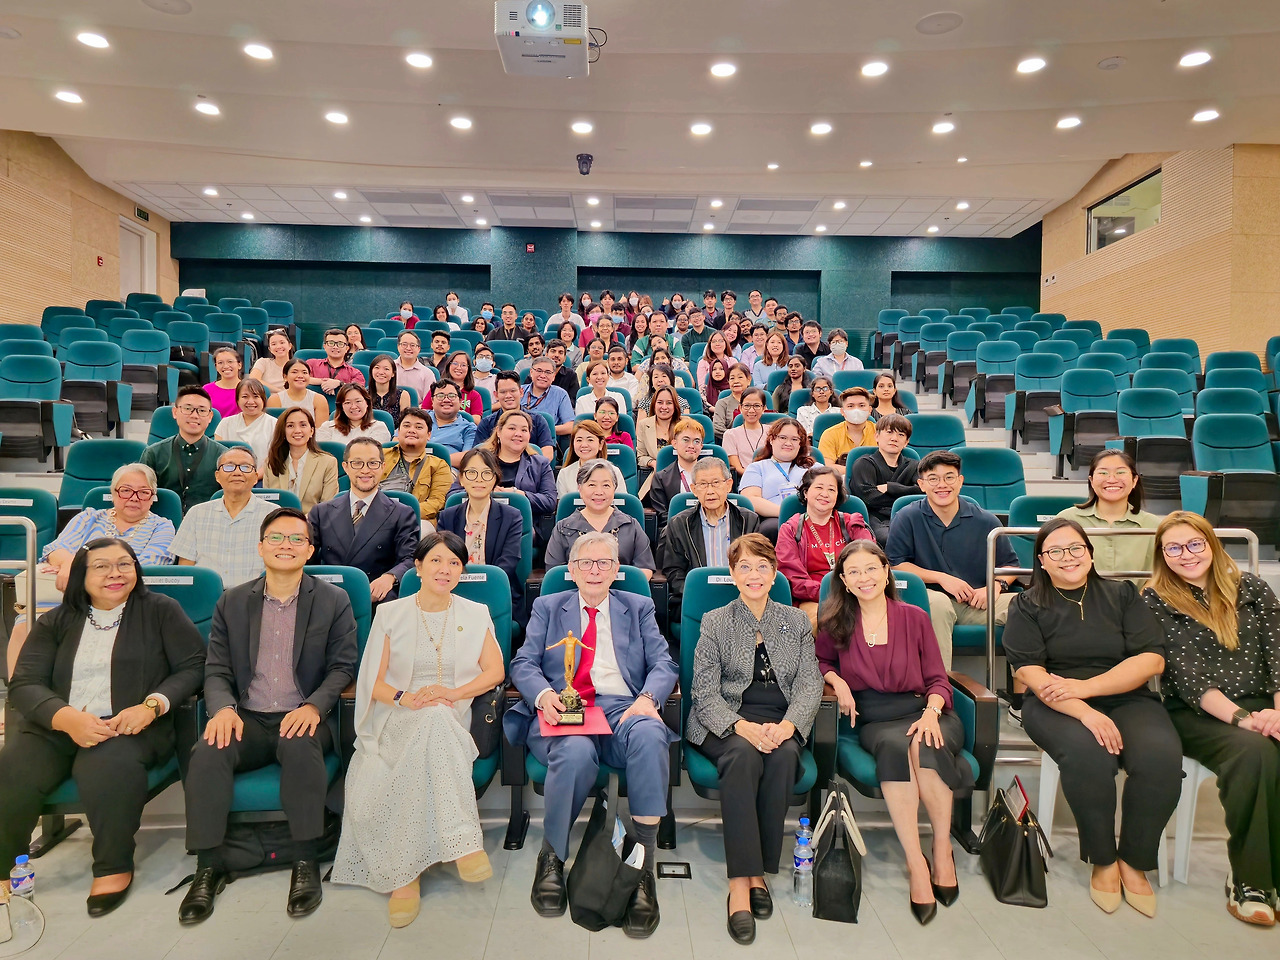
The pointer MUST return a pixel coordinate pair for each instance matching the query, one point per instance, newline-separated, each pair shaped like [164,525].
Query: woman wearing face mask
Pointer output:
[821,393]
[223,390]
[407,315]
[457,313]
[798,378]
[631,305]
[252,425]
[674,306]
[839,358]
[457,367]
[486,371]
[885,397]
[584,304]
[586,442]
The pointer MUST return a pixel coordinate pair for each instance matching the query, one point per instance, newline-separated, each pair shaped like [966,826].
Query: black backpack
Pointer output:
[260,847]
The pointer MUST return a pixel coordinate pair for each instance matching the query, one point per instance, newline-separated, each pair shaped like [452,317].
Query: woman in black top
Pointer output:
[1086,648]
[96,685]
[1222,691]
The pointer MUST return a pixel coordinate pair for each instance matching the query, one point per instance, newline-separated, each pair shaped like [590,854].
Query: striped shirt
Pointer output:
[150,538]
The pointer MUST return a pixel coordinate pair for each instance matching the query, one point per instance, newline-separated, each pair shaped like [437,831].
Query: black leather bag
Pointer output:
[600,882]
[837,870]
[486,719]
[1014,851]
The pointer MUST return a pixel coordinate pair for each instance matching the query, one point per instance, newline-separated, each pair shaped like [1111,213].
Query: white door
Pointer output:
[131,262]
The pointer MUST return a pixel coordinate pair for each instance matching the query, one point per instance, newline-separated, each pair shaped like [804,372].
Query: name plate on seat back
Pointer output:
[1044,517]
[473,578]
[168,581]
[900,584]
[719,578]
[15,502]
[328,577]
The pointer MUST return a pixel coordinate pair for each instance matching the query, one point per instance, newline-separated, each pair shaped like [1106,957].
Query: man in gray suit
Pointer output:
[364,527]
[625,668]
[261,712]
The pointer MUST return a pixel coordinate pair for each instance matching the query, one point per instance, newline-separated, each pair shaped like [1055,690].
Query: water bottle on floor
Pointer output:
[804,830]
[802,879]
[22,878]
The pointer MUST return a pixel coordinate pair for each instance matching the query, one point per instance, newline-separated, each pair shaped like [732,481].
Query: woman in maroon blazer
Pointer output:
[881,657]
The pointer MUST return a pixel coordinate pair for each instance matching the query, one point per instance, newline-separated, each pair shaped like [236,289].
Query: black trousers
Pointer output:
[1248,769]
[111,778]
[880,530]
[755,790]
[1151,756]
[303,778]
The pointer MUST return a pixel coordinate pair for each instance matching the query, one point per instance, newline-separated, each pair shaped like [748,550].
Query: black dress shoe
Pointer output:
[197,905]
[944,895]
[305,892]
[100,904]
[549,897]
[761,903]
[924,912]
[642,913]
[742,925]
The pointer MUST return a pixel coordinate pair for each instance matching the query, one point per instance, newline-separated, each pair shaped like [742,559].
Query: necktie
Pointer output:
[582,676]
[359,514]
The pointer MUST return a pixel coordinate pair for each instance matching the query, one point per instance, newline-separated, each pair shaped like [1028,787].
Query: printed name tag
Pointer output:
[900,584]
[719,578]
[473,578]
[269,495]
[168,581]
[1044,517]
[15,502]
[328,577]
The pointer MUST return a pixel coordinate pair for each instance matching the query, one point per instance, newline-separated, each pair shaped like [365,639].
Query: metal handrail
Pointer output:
[1224,533]
[29,564]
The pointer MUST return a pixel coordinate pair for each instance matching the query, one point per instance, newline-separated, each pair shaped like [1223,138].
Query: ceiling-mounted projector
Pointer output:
[539,38]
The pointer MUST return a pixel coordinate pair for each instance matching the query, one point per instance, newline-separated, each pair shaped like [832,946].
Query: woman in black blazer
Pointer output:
[491,530]
[96,684]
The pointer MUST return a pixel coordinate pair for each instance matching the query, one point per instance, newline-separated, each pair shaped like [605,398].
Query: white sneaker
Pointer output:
[1249,904]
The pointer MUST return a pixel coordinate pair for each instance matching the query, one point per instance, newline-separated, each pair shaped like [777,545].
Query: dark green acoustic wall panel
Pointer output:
[914,290]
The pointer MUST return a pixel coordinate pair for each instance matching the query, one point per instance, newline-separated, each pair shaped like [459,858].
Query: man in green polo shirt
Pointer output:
[187,463]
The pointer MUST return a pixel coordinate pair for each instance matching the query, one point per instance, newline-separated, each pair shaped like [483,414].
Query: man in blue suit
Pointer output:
[364,527]
[625,668]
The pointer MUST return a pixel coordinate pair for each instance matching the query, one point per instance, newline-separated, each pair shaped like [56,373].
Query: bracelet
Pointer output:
[937,710]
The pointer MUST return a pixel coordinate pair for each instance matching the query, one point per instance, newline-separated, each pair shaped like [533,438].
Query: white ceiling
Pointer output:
[272,153]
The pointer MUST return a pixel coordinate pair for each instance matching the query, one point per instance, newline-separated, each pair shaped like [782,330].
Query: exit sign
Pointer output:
[528,248]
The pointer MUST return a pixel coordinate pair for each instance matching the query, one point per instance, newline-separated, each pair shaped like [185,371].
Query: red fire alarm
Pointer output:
[99,261]
[528,248]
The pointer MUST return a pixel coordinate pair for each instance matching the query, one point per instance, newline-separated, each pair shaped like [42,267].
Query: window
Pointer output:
[1123,214]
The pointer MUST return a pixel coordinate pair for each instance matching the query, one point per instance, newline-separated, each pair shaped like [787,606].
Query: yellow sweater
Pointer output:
[835,442]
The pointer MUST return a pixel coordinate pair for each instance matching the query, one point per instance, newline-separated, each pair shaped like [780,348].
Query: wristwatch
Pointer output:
[154,704]
[395,701]
[1239,716]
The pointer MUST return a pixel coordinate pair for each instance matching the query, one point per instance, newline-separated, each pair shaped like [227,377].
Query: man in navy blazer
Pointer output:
[628,673]
[364,527]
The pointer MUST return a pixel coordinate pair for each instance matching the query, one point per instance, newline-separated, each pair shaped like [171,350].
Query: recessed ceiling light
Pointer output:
[1204,115]
[962,205]
[700,129]
[66,96]
[708,226]
[481,222]
[820,128]
[864,163]
[207,108]
[717,204]
[592,201]
[467,198]
[1031,65]
[336,116]
[595,224]
[1195,59]
[210,192]
[838,205]
[723,69]
[258,51]
[366,219]
[100,42]
[419,60]
[875,68]
[962,159]
[943,126]
[246,216]
[932,229]
[821,228]
[339,195]
[773,166]
[1066,123]
[1118,231]
[581,126]
[460,123]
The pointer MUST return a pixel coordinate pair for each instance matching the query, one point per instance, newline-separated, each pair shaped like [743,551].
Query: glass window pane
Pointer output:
[1123,214]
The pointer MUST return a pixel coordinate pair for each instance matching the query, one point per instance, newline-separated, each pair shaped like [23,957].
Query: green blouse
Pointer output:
[1118,553]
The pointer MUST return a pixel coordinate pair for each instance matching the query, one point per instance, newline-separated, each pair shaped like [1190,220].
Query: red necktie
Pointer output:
[582,676]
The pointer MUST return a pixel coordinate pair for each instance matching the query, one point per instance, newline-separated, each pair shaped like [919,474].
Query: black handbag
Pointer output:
[486,719]
[837,870]
[1014,850]
[600,882]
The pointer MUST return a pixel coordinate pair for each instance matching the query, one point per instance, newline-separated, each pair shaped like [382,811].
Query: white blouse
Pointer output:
[329,432]
[257,434]
[91,672]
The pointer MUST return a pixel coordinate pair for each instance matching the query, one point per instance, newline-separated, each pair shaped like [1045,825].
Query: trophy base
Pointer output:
[572,718]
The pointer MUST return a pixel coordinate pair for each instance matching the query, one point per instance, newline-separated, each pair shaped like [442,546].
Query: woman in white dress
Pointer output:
[252,425]
[270,369]
[410,802]
[352,417]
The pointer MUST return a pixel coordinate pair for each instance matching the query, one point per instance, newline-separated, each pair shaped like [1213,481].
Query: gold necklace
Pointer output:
[437,643]
[1079,603]
[873,637]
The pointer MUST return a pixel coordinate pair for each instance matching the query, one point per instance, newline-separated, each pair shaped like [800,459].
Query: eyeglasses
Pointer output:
[751,406]
[361,464]
[351,400]
[295,539]
[1191,546]
[711,484]
[128,493]
[604,566]
[478,474]
[1058,554]
[190,410]
[934,481]
[335,343]
[1123,473]
[233,467]
[105,567]
[785,438]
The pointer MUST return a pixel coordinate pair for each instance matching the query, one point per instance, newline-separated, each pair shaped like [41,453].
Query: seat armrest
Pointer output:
[823,740]
[348,694]
[986,733]
[513,772]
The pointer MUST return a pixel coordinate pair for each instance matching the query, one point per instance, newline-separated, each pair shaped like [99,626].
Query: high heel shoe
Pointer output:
[944,895]
[924,912]
[1107,901]
[1144,903]
[742,925]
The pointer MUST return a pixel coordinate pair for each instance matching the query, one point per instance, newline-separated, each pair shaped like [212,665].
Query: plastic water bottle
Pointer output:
[804,831]
[802,879]
[22,878]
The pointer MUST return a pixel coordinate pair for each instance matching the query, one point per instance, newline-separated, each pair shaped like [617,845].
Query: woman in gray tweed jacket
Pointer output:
[756,691]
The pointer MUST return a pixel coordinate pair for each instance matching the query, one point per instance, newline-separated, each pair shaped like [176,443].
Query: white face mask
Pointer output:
[856,417]
[838,347]
[451,305]
[406,312]
[633,301]
[484,364]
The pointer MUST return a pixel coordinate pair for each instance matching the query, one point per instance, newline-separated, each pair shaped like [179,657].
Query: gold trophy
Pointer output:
[573,714]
